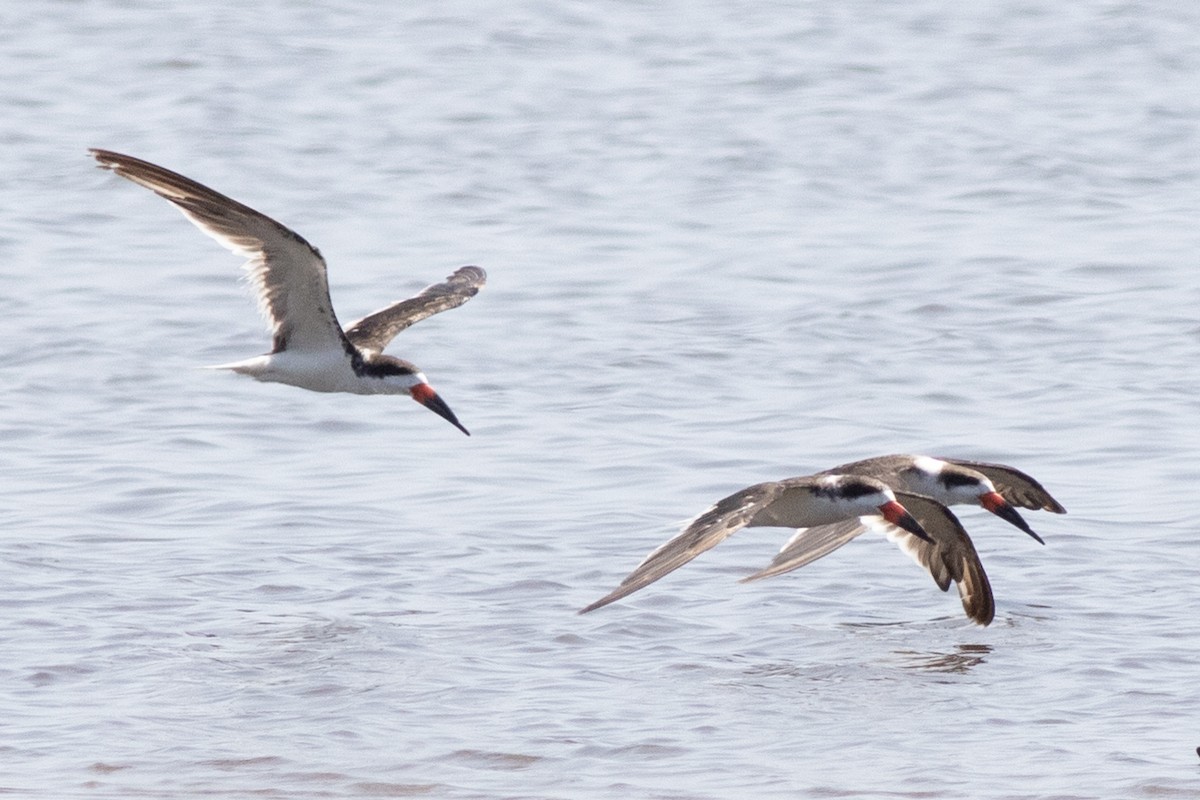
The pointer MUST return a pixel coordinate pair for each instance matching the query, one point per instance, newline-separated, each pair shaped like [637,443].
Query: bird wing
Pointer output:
[810,544]
[374,331]
[951,558]
[1014,485]
[882,468]
[287,273]
[706,531]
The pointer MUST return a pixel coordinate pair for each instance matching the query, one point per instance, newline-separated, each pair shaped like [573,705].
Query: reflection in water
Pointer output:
[786,669]
[964,657]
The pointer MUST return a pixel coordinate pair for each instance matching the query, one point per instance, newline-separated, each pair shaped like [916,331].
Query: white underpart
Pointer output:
[976,497]
[837,509]
[906,541]
[959,493]
[929,470]
[323,371]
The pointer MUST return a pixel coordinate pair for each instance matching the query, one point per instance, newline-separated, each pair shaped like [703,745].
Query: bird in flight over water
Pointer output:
[310,349]
[792,503]
[925,486]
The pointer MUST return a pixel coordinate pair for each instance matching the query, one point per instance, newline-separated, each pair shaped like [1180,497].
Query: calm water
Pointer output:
[725,244]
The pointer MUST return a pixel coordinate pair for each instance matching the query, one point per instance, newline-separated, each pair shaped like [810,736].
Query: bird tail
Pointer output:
[251,366]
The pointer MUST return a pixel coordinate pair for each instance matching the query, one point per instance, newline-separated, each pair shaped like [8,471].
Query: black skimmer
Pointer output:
[793,503]
[311,350]
[938,482]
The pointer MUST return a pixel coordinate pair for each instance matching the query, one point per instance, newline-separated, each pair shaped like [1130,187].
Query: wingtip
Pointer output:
[101,157]
[475,269]
[619,593]
[985,614]
[980,610]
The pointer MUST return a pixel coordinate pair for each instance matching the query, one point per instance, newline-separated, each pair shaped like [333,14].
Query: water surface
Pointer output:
[724,245]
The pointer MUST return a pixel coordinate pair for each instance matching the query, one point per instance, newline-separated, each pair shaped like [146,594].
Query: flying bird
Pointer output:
[792,503]
[310,348]
[925,486]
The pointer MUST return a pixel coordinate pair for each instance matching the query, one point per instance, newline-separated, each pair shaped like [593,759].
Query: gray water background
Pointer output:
[726,243]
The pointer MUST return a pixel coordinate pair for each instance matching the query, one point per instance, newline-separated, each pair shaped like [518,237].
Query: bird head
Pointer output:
[397,376]
[956,484]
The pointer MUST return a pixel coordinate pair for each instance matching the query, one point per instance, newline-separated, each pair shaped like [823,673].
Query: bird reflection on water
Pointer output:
[962,659]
